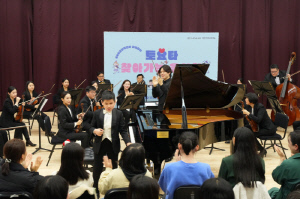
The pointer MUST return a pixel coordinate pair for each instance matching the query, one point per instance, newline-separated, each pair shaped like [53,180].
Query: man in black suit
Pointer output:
[276,76]
[107,124]
[88,103]
[101,80]
[257,112]
[139,80]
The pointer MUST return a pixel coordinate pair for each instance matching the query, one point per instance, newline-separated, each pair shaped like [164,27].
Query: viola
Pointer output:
[19,116]
[33,101]
[252,123]
[288,95]
[78,128]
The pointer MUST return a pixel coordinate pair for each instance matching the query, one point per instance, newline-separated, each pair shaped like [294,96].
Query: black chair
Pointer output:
[21,195]
[54,140]
[187,192]
[55,107]
[281,120]
[88,158]
[119,193]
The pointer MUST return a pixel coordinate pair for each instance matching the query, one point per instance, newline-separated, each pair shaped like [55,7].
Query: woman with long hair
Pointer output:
[132,163]
[31,94]
[123,92]
[186,171]
[144,187]
[236,167]
[15,175]
[68,121]
[64,87]
[7,118]
[71,167]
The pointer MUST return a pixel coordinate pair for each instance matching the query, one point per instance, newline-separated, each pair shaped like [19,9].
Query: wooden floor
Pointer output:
[214,160]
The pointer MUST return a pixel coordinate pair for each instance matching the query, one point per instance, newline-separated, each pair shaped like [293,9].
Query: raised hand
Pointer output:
[37,164]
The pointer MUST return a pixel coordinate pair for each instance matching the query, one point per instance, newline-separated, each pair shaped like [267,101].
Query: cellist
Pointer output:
[7,119]
[258,113]
[276,76]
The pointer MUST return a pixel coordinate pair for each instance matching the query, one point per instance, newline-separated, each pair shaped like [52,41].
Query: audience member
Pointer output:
[144,187]
[288,172]
[51,187]
[15,175]
[236,167]
[294,195]
[71,167]
[132,163]
[186,171]
[216,188]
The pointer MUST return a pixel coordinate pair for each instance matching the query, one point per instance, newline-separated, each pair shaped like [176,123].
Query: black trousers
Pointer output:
[3,140]
[83,136]
[40,117]
[262,132]
[21,131]
[106,149]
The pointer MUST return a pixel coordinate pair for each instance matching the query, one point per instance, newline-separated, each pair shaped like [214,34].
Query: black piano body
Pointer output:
[208,116]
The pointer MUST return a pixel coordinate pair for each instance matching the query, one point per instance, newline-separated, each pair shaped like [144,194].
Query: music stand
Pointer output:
[38,111]
[104,87]
[75,95]
[132,101]
[266,88]
[140,89]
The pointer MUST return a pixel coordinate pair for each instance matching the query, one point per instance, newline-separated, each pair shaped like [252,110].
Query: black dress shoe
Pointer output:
[263,153]
[51,134]
[29,143]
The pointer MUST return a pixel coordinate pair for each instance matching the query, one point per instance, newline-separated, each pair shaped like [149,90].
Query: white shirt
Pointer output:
[277,80]
[107,125]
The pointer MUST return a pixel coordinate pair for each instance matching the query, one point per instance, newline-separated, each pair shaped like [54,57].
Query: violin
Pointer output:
[97,107]
[78,128]
[19,116]
[33,101]
[288,95]
[252,123]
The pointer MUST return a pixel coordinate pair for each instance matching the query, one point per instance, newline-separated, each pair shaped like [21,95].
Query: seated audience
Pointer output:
[216,188]
[131,164]
[236,168]
[51,187]
[186,171]
[71,167]
[294,195]
[15,175]
[144,187]
[287,174]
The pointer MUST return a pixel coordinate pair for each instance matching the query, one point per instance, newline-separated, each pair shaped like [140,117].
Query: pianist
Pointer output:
[161,85]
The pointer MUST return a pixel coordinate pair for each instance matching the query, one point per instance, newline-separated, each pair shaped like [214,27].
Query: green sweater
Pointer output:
[288,175]
[226,170]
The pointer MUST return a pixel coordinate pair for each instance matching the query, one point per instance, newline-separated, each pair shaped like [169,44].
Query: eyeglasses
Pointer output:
[274,71]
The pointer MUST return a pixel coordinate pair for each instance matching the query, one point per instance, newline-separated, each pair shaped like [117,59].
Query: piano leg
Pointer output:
[212,147]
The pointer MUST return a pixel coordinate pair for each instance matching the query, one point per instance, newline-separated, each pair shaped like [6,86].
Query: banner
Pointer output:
[127,54]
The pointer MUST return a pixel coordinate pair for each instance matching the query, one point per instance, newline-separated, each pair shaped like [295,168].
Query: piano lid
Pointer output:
[201,91]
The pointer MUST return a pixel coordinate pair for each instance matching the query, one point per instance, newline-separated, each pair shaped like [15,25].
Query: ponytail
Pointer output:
[189,141]
[13,151]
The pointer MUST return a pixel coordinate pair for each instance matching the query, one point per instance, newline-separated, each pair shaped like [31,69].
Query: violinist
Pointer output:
[257,112]
[64,87]
[101,80]
[139,80]
[88,106]
[276,76]
[32,105]
[68,121]
[7,119]
[161,85]
[95,84]
[123,92]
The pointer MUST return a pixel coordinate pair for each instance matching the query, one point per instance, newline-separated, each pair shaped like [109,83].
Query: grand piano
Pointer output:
[194,103]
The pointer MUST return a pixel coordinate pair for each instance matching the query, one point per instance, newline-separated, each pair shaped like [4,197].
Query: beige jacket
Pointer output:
[111,179]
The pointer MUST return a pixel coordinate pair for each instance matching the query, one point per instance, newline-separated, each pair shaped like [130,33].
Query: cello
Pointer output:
[288,95]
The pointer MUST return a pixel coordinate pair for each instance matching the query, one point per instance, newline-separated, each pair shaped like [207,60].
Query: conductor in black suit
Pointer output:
[101,80]
[276,76]
[107,124]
